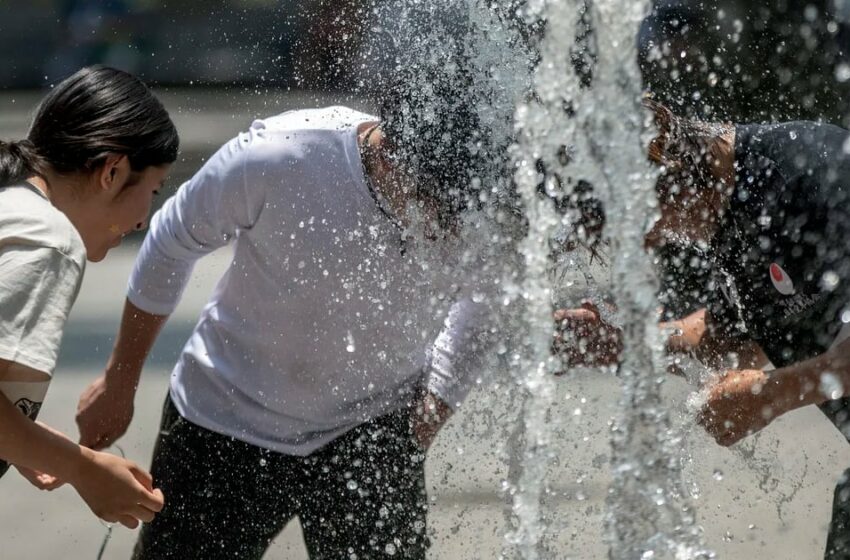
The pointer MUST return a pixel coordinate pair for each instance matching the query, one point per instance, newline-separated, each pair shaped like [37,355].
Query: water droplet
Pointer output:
[717,474]
[390,549]
[830,385]
[352,485]
[349,339]
[829,280]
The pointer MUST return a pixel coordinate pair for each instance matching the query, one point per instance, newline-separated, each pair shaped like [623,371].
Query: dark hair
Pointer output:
[446,119]
[96,112]
[682,147]
[431,133]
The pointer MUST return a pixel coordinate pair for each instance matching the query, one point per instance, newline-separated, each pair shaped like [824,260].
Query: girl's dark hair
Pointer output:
[94,113]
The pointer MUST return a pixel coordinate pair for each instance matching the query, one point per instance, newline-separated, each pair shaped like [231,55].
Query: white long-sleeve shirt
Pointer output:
[322,321]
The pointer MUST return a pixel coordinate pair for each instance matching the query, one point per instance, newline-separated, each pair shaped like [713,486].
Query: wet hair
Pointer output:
[432,133]
[94,113]
[683,148]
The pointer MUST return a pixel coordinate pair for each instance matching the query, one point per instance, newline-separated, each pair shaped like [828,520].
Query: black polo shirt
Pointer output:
[781,257]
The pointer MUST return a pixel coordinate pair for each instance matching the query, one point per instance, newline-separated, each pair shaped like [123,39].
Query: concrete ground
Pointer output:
[766,498]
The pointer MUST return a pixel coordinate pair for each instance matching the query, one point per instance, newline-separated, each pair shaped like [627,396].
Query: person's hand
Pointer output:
[737,406]
[104,413]
[429,415]
[583,338]
[40,480]
[116,490]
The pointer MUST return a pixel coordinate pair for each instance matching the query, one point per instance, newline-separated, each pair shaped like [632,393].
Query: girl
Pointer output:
[98,150]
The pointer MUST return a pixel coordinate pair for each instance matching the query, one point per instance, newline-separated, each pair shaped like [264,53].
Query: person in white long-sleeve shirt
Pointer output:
[331,351]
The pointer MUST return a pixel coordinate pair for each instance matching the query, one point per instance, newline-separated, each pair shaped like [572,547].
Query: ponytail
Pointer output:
[19,160]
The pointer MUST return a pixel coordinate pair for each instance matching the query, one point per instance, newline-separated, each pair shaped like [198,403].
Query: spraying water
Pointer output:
[578,124]
[649,516]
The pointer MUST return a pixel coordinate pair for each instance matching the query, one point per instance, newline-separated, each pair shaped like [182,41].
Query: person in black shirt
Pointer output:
[768,207]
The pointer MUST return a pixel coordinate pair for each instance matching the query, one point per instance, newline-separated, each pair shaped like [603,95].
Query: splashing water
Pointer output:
[649,515]
[576,133]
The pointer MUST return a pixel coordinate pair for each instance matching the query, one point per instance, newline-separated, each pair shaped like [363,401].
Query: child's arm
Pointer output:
[743,401]
[106,406]
[115,489]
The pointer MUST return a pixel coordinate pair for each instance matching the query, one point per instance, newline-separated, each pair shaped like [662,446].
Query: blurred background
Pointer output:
[263,43]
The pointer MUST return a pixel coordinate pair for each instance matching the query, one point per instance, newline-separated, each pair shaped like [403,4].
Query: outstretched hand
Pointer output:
[583,338]
[104,413]
[737,406]
[428,415]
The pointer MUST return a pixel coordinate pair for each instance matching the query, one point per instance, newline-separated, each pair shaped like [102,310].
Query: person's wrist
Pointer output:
[122,378]
[785,392]
[74,468]
[437,409]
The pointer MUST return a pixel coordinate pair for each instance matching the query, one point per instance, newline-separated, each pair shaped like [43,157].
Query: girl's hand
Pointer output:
[116,490]
[40,480]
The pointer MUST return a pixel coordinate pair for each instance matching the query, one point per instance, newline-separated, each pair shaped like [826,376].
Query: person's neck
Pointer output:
[64,193]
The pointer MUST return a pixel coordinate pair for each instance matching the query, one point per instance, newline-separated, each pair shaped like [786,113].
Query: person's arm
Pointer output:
[205,214]
[116,490]
[106,406]
[458,350]
[701,336]
[743,401]
[584,338]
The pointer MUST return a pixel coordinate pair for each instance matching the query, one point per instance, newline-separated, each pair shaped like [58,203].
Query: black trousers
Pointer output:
[838,540]
[361,496]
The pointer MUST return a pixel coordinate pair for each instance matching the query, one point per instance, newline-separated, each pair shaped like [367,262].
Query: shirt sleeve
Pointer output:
[38,287]
[221,200]
[459,350]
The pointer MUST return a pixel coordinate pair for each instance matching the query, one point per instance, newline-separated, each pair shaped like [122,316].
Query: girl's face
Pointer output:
[119,204]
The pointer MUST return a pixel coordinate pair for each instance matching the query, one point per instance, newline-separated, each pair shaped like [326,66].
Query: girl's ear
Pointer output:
[114,172]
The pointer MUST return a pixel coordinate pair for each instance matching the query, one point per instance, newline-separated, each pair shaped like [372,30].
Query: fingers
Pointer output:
[590,306]
[142,513]
[576,316]
[49,482]
[722,428]
[40,480]
[128,521]
[144,477]
[153,500]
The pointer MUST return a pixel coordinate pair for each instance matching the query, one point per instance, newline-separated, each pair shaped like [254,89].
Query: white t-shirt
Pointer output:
[42,261]
[325,318]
